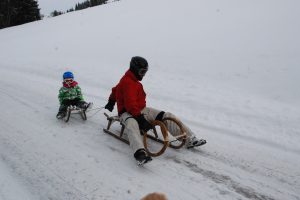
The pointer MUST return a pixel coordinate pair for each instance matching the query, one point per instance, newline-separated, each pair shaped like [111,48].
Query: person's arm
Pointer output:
[112,95]
[61,95]
[111,100]
[79,93]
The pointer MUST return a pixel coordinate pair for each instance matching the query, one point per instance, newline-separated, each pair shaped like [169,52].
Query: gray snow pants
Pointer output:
[133,132]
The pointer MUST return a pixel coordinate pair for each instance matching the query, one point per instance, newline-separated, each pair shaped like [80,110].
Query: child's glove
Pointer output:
[110,105]
[143,123]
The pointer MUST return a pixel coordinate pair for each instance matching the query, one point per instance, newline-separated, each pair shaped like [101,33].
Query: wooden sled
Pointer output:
[74,110]
[162,135]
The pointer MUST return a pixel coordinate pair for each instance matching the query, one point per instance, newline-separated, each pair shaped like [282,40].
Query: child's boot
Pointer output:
[60,115]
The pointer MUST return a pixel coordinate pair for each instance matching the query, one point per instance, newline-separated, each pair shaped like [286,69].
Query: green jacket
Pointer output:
[70,93]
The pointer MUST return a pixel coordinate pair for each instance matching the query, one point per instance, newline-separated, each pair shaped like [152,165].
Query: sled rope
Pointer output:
[98,110]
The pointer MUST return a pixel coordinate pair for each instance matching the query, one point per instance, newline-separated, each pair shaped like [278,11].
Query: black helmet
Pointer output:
[139,67]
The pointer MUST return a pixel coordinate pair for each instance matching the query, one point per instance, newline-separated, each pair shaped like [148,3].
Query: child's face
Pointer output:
[68,80]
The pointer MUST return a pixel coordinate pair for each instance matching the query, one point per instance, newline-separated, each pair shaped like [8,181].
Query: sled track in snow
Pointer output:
[217,178]
[226,180]
[243,165]
[254,140]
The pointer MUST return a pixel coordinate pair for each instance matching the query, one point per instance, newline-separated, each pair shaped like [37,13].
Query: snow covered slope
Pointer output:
[230,70]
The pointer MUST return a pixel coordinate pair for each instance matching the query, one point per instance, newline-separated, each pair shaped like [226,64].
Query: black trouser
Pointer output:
[74,102]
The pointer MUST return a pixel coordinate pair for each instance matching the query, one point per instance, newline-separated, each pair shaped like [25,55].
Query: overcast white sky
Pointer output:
[47,6]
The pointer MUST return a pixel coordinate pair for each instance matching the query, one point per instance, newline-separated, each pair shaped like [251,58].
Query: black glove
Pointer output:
[110,105]
[143,123]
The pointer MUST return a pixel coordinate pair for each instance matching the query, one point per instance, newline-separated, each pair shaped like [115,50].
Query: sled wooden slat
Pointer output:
[155,139]
[111,120]
[116,136]
[74,110]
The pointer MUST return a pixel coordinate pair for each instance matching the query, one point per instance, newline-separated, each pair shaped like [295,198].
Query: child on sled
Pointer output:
[70,94]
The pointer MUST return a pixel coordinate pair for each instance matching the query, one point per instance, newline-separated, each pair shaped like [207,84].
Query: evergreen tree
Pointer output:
[70,10]
[89,3]
[97,2]
[56,13]
[16,12]
[7,10]
[27,11]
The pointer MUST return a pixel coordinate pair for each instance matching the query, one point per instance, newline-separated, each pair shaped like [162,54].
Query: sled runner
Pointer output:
[159,133]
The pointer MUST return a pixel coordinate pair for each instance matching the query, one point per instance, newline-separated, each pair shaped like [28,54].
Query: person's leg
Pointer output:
[154,114]
[77,102]
[69,102]
[151,114]
[61,111]
[135,138]
[63,108]
[81,104]
[192,140]
[132,131]
[174,128]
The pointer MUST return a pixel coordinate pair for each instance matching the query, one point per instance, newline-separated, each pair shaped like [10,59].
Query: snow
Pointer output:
[229,70]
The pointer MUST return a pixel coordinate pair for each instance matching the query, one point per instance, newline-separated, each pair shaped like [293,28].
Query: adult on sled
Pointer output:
[133,112]
[70,94]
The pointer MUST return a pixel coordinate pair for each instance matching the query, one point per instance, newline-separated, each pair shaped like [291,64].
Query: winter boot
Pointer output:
[195,142]
[141,157]
[60,115]
[84,105]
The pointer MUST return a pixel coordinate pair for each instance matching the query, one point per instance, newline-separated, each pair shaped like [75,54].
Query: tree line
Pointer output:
[17,12]
[80,6]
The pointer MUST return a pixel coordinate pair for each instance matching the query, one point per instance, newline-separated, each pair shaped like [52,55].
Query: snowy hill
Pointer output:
[230,70]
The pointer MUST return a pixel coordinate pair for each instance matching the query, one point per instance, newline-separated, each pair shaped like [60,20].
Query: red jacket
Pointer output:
[129,95]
